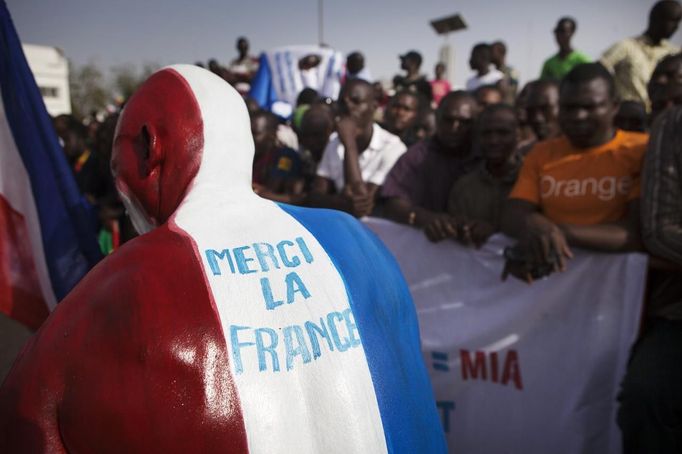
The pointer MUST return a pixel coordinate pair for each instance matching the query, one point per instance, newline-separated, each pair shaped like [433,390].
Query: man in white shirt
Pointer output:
[481,62]
[358,157]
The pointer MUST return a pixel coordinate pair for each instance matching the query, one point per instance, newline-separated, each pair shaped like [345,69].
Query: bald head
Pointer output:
[454,119]
[317,125]
[664,18]
[172,133]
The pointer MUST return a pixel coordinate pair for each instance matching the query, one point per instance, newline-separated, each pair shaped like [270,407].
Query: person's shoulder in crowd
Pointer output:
[416,154]
[631,48]
[557,147]
[632,145]
[549,149]
[632,139]
[622,47]
[386,141]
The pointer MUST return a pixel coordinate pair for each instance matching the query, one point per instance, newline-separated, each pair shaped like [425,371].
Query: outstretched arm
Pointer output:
[620,236]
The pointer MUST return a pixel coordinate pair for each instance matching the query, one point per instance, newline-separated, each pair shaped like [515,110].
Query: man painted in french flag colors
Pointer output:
[233,324]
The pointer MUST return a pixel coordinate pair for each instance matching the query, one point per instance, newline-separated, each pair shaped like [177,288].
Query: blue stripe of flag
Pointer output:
[66,226]
[387,322]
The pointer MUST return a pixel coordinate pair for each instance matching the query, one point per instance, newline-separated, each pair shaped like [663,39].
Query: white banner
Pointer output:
[518,368]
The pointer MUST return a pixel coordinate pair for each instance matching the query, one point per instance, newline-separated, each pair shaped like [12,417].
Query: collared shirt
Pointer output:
[632,61]
[424,175]
[480,196]
[375,161]
[661,212]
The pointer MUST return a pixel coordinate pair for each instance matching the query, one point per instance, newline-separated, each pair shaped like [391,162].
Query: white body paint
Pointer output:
[325,405]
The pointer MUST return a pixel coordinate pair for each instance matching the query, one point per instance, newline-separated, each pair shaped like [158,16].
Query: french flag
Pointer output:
[47,238]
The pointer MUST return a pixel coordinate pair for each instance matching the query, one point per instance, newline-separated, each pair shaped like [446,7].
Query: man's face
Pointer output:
[355,63]
[542,111]
[498,136]
[74,144]
[497,53]
[665,87]
[427,126]
[402,112]
[314,138]
[586,113]
[407,64]
[359,100]
[454,122]
[668,21]
[563,33]
[440,70]
[263,136]
[479,61]
[242,46]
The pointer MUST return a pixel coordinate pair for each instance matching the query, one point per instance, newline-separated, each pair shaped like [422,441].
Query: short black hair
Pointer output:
[568,19]
[542,84]
[347,86]
[355,55]
[422,102]
[356,81]
[588,72]
[482,47]
[458,94]
[307,96]
[318,116]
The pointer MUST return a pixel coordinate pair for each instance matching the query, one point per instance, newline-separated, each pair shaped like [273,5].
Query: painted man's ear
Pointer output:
[148,149]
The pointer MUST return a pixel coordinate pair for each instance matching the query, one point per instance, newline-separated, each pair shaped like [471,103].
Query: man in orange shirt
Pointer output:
[580,189]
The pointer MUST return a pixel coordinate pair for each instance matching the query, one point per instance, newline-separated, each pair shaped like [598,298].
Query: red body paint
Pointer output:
[134,358]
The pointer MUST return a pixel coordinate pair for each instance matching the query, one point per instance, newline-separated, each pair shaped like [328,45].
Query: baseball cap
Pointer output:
[412,55]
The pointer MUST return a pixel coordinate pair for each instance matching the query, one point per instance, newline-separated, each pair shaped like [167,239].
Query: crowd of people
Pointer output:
[589,155]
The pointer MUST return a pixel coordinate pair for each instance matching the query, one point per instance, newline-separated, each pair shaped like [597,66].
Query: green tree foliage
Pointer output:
[126,78]
[92,91]
[89,89]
